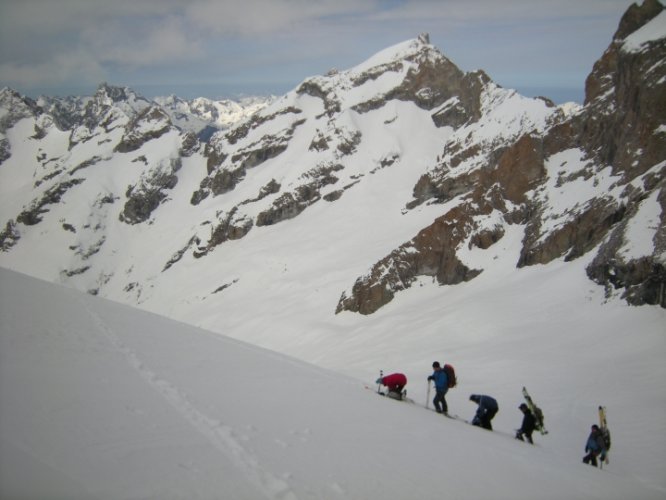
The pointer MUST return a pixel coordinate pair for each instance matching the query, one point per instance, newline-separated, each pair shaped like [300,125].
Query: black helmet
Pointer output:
[523,406]
[435,364]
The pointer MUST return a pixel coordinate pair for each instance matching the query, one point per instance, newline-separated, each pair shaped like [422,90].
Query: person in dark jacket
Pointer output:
[488,408]
[441,380]
[595,447]
[395,383]
[528,426]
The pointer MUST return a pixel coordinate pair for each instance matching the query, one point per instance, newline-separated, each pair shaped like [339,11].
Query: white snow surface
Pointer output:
[100,400]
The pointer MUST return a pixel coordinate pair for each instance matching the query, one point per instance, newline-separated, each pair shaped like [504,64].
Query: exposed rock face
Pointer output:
[33,214]
[290,204]
[225,172]
[150,124]
[435,82]
[229,228]
[18,107]
[146,196]
[626,98]
[9,236]
[431,253]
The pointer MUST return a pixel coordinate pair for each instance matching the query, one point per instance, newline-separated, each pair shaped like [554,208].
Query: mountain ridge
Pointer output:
[126,195]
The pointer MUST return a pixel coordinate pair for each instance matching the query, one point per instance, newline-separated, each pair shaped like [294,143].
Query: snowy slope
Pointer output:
[99,400]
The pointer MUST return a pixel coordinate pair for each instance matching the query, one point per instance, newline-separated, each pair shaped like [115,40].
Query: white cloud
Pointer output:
[91,40]
[263,17]
[71,67]
[165,42]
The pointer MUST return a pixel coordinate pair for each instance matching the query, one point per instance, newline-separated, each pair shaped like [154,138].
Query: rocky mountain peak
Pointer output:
[636,17]
[107,94]
[13,107]
[620,128]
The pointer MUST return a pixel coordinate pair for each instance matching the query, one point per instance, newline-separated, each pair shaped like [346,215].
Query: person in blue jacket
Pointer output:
[441,387]
[488,408]
[595,447]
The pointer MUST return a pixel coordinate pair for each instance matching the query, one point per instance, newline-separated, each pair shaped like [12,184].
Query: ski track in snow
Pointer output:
[223,437]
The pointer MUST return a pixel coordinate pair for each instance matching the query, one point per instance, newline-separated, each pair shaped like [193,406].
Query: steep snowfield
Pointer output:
[99,400]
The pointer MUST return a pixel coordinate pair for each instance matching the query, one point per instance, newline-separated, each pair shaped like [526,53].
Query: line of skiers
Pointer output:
[441,377]
[488,407]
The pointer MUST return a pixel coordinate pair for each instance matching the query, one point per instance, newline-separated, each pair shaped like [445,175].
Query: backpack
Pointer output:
[538,415]
[605,435]
[451,376]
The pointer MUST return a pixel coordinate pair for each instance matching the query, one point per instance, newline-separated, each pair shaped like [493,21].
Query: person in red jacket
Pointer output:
[395,383]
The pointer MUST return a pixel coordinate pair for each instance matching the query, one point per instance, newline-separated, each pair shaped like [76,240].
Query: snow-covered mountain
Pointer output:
[380,217]
[421,165]
[344,193]
[100,400]
[202,114]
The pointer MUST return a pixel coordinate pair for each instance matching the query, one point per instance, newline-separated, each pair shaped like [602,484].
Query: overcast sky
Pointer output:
[219,48]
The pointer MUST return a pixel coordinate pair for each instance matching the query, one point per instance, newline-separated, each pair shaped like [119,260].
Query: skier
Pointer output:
[395,383]
[595,447]
[488,408]
[528,426]
[441,380]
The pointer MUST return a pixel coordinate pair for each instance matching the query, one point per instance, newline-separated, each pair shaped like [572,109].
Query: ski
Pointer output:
[602,417]
[605,433]
[455,417]
[536,411]
[403,394]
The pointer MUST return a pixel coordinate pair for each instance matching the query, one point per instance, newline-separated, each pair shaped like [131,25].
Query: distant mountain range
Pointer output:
[345,191]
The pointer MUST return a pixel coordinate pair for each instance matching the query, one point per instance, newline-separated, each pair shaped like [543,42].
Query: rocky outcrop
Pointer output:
[17,106]
[230,227]
[640,279]
[577,236]
[431,253]
[189,145]
[625,97]
[9,236]
[435,83]
[33,214]
[150,124]
[331,102]
[290,204]
[241,131]
[144,197]
[5,150]
[225,171]
[222,181]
